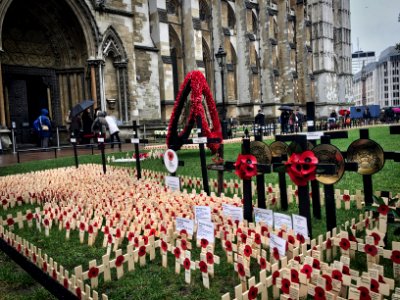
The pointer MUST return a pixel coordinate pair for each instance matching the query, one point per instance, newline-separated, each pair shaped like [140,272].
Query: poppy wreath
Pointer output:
[246,166]
[195,83]
[301,167]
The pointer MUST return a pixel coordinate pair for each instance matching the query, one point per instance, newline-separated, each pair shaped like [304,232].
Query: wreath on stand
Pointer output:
[195,83]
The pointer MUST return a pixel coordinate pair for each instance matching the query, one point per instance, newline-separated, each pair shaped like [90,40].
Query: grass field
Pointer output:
[152,281]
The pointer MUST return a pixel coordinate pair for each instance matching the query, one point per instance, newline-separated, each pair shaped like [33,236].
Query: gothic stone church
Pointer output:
[130,56]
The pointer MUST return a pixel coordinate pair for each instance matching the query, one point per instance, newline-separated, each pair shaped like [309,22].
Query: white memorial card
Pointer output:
[281,219]
[300,225]
[205,230]
[264,215]
[279,243]
[202,213]
[184,224]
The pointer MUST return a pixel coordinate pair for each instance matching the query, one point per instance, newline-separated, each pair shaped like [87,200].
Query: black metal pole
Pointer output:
[247,198]
[203,159]
[75,155]
[283,191]
[220,178]
[138,167]
[103,157]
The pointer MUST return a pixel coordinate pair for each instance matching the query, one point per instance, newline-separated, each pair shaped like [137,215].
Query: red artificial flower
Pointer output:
[246,166]
[316,264]
[364,293]
[67,226]
[46,222]
[247,251]
[337,275]
[374,285]
[376,237]
[78,292]
[66,283]
[301,167]
[203,267]
[285,285]
[10,221]
[371,250]
[120,259]
[346,197]
[275,253]
[395,257]
[186,263]
[145,239]
[319,293]
[45,267]
[34,257]
[257,238]
[344,244]
[54,274]
[383,209]
[210,258]
[275,275]
[291,239]
[228,246]
[307,269]
[243,238]
[93,272]
[328,282]
[177,252]
[4,202]
[300,238]
[164,246]
[142,251]
[264,229]
[346,270]
[110,239]
[82,226]
[381,279]
[29,216]
[183,244]
[203,243]
[253,292]
[240,270]
[294,276]
[136,242]
[263,263]
[366,222]
[297,258]
[90,229]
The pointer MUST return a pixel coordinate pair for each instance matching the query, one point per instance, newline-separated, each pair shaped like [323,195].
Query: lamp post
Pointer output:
[221,59]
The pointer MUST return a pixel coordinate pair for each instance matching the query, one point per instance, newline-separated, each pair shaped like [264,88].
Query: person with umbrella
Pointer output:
[75,126]
[99,125]
[87,122]
[43,127]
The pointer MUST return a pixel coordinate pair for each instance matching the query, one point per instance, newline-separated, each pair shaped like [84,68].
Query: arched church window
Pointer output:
[204,11]
[172,7]
[231,18]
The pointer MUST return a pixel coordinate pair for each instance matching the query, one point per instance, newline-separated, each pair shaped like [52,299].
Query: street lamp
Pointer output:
[221,59]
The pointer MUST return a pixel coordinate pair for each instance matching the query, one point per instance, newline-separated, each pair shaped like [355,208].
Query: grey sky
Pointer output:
[375,23]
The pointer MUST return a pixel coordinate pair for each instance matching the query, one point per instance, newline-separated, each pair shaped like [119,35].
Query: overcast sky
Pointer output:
[374,24]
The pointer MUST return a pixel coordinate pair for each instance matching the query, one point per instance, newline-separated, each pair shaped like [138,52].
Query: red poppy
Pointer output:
[247,251]
[257,238]
[177,252]
[54,274]
[10,221]
[371,250]
[243,238]
[246,166]
[374,285]
[316,264]
[291,239]
[275,275]
[67,226]
[203,243]
[275,253]
[346,197]
[34,257]
[186,263]
[297,258]
[142,251]
[210,258]
[319,293]
[270,190]
[4,202]
[344,244]
[183,244]
[65,283]
[120,259]
[301,167]
[19,248]
[377,237]
[109,239]
[93,272]
[145,239]
[78,292]
[294,276]
[29,216]
[366,222]
[228,246]
[346,270]
[90,229]
[263,263]
[164,246]
[264,229]
[395,257]
[203,267]
[240,269]
[45,266]
[328,282]
[285,285]
[381,279]
[364,293]
[307,269]
[82,226]
[337,275]
[253,292]
[300,238]
[383,209]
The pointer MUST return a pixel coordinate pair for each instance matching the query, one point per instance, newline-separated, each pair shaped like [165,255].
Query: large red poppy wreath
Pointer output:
[195,83]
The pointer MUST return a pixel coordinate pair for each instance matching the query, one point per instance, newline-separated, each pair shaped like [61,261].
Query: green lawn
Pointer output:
[153,281]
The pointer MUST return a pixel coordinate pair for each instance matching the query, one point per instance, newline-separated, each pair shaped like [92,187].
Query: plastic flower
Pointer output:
[371,250]
[344,244]
[395,257]
[285,285]
[247,251]
[275,253]
[307,269]
[228,246]
[346,197]
[337,275]
[164,246]
[319,293]
[203,243]
[240,270]
[294,276]
[328,282]
[120,259]
[301,167]
[383,209]
[377,237]
[374,285]
[253,292]
[210,258]
[184,244]
[177,252]
[93,272]
[257,238]
[186,263]
[142,251]
[203,267]
[263,263]
[364,293]
[245,166]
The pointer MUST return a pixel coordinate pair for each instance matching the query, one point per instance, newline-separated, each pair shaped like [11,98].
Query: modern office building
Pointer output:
[361,58]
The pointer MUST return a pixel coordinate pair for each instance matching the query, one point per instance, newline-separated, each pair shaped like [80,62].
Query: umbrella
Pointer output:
[285,107]
[396,110]
[343,112]
[80,107]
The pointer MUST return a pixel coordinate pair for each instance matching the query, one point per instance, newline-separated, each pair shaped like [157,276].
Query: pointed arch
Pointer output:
[112,45]
[175,46]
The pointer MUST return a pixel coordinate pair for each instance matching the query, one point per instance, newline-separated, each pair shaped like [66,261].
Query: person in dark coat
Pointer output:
[87,122]
[260,118]
[76,126]
[43,127]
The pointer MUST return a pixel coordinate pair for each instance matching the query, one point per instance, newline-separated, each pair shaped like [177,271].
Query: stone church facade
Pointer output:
[130,56]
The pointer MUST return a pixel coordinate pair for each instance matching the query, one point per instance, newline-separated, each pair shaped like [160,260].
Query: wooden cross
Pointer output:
[242,270]
[118,263]
[210,258]
[188,265]
[136,141]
